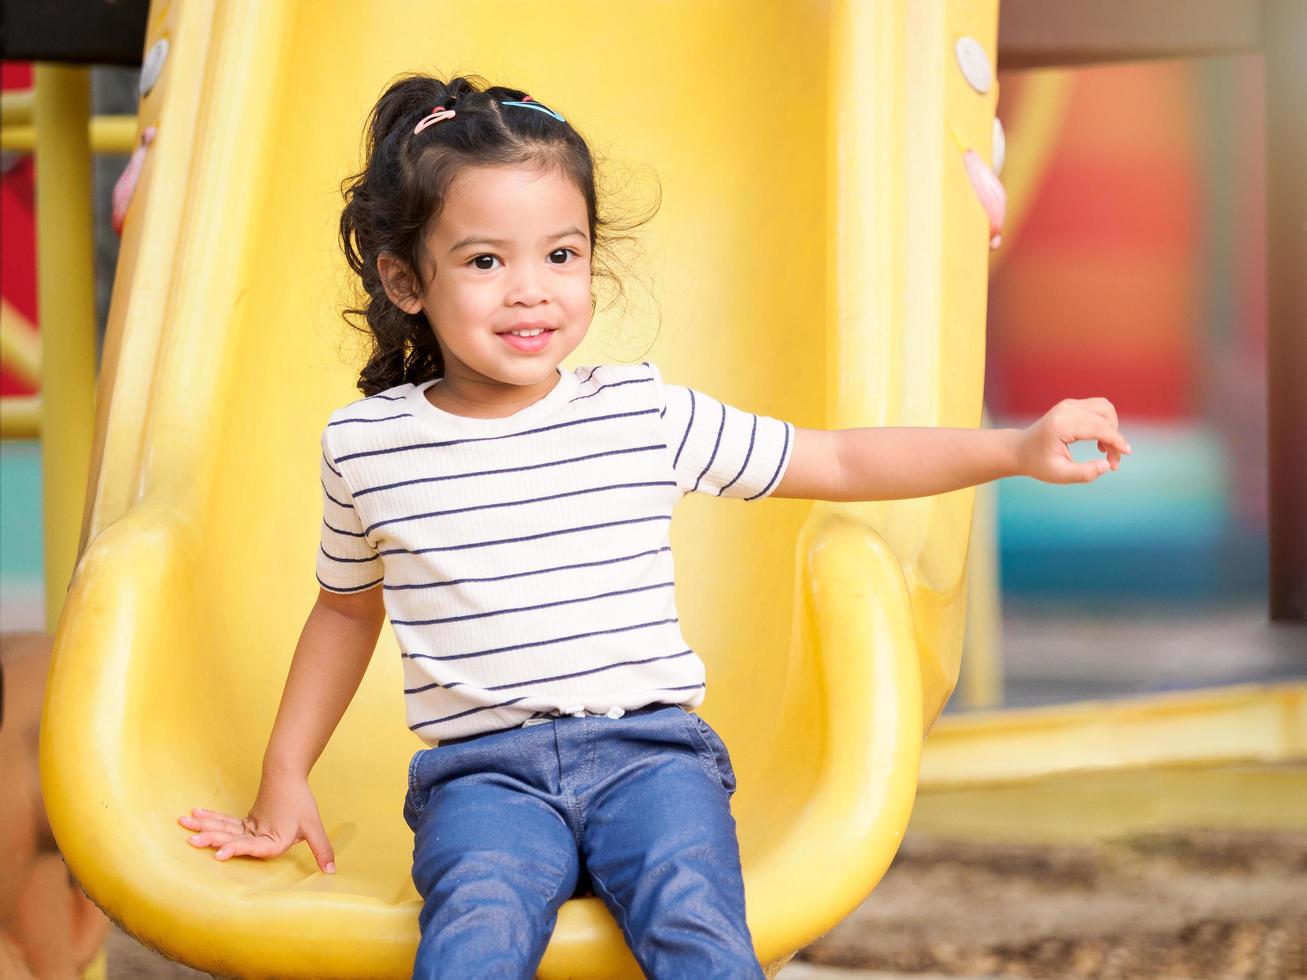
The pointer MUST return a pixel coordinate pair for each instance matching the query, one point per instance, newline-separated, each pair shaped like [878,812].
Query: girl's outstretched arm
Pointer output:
[891,463]
[332,655]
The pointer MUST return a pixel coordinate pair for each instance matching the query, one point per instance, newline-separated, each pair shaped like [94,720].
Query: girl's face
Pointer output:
[511,251]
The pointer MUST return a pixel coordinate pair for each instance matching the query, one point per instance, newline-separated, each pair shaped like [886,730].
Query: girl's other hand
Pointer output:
[1044,452]
[283,814]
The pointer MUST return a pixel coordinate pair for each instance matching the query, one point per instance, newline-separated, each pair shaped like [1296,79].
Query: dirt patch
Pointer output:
[1161,904]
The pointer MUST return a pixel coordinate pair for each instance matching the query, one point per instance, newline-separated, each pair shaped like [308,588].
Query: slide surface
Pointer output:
[819,256]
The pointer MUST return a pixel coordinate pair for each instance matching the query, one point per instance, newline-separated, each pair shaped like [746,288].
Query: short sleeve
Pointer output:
[346,561]
[719,449]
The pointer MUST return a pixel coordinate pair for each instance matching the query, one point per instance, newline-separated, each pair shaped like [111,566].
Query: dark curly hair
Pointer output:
[401,190]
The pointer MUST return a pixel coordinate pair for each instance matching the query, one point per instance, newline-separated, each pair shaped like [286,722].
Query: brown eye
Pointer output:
[482,267]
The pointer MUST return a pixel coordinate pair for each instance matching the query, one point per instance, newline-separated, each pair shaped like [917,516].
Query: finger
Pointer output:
[1079,472]
[1106,410]
[219,822]
[1087,425]
[321,847]
[217,831]
[213,817]
[1086,472]
[212,838]
[242,844]
[200,811]
[1091,471]
[252,845]
[203,821]
[1095,427]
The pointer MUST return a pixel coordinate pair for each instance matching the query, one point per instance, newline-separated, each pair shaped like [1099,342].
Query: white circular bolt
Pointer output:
[974,63]
[999,153]
[152,67]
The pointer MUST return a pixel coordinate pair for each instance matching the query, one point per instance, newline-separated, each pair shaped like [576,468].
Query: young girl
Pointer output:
[511,519]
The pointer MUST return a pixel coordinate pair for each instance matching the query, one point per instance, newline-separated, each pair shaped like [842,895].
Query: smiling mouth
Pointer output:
[533,344]
[532,327]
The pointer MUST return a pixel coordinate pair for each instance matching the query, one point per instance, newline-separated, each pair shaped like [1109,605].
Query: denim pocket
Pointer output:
[716,753]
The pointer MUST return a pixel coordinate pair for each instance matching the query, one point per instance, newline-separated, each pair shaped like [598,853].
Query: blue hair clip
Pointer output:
[526,104]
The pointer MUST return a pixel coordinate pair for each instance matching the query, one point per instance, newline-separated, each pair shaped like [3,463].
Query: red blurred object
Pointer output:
[1100,295]
[18,229]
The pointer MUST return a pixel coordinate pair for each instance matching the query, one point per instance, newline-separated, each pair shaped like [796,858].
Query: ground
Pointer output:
[1192,903]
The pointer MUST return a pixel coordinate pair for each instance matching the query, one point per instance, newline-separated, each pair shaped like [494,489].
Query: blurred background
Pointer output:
[1138,272]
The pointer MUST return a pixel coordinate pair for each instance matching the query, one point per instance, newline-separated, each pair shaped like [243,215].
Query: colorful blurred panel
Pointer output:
[1128,279]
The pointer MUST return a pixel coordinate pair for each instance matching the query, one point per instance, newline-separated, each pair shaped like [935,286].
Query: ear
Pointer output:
[398,283]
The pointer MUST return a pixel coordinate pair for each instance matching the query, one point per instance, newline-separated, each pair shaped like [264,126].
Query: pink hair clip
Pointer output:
[438,114]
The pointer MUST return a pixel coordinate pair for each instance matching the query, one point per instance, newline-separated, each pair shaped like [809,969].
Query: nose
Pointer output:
[527,287]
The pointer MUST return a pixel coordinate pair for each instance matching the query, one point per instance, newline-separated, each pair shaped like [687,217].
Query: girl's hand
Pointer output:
[284,814]
[1043,450]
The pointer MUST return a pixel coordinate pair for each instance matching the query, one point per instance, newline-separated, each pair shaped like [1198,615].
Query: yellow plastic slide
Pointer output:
[819,256]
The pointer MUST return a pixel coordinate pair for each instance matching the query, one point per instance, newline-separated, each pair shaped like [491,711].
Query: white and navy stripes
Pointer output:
[525,561]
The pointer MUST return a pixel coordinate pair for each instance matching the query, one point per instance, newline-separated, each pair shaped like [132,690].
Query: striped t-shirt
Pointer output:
[525,561]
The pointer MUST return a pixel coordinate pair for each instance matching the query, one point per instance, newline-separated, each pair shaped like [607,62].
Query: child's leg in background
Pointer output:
[660,844]
[492,857]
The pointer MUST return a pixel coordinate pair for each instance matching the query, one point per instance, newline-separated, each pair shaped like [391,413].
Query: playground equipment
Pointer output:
[221,364]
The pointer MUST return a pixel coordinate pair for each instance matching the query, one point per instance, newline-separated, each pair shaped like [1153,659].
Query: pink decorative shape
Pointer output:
[125,187]
[989,191]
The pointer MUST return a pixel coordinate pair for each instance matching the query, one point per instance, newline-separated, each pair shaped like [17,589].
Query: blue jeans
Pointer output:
[511,824]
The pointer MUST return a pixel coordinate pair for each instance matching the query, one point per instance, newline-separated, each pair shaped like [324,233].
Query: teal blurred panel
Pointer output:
[1160,526]
[20,510]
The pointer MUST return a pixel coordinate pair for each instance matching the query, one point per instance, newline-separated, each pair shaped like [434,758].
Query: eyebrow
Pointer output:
[479,240]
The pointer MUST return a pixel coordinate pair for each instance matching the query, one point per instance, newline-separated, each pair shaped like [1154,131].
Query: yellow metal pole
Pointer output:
[20,417]
[65,271]
[109,134]
[16,108]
